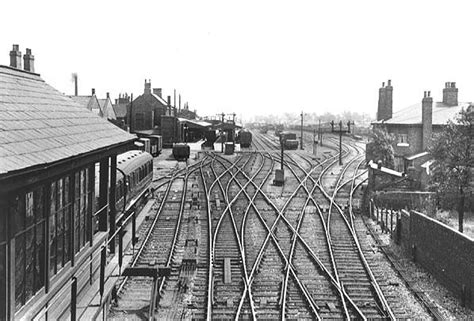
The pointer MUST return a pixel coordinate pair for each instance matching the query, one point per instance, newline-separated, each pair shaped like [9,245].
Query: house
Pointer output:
[91,102]
[53,221]
[413,127]
[120,107]
[106,108]
[147,109]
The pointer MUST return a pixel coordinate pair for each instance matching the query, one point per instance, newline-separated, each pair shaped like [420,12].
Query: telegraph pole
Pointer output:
[301,138]
[341,131]
[320,134]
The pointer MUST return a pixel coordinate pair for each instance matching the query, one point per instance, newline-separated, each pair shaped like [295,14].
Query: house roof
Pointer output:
[195,123]
[107,108]
[40,126]
[412,114]
[89,102]
[120,110]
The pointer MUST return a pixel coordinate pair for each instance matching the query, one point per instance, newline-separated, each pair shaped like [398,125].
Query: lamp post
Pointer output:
[185,132]
[341,131]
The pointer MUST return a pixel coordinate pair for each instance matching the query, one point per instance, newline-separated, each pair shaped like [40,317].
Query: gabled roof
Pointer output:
[40,126]
[89,102]
[412,114]
[107,108]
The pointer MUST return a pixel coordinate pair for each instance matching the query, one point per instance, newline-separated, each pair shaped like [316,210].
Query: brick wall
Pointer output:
[447,254]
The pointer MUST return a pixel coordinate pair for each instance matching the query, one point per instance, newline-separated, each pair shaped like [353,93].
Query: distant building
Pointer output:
[120,107]
[52,220]
[147,109]
[102,107]
[106,108]
[90,102]
[413,127]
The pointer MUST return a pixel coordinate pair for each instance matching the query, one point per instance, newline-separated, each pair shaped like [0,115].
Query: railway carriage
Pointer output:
[134,177]
[245,138]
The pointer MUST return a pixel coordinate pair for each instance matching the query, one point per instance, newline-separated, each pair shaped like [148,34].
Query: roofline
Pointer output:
[105,151]
[21,70]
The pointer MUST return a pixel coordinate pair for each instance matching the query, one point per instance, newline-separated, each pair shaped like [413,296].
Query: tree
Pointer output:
[380,148]
[453,162]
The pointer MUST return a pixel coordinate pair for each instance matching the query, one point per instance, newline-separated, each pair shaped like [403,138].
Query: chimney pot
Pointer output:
[453,84]
[389,82]
[429,93]
[108,95]
[383,84]
[93,91]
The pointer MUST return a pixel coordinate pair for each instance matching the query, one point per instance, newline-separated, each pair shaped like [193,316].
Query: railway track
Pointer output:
[245,249]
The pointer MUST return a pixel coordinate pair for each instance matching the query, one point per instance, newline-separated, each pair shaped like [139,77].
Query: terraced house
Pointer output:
[414,126]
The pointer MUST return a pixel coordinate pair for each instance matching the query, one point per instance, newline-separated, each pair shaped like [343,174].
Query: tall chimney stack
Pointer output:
[15,57]
[426,119]
[169,105]
[450,94]
[29,61]
[381,104]
[74,76]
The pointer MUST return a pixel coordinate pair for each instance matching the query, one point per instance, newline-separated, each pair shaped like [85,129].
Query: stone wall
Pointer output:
[447,254]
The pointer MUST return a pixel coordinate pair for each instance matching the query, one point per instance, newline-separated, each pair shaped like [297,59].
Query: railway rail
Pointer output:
[240,248]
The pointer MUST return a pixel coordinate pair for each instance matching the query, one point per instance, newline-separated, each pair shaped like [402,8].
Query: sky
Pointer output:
[249,57]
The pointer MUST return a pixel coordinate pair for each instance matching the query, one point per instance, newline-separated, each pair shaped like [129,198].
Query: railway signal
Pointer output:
[341,131]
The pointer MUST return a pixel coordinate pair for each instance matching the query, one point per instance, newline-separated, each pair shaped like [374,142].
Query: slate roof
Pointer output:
[89,102]
[412,114]
[120,110]
[39,125]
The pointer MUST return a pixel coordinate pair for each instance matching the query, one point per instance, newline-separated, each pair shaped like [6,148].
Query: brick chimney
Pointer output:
[157,91]
[15,57]
[29,61]
[147,87]
[385,105]
[426,120]
[450,94]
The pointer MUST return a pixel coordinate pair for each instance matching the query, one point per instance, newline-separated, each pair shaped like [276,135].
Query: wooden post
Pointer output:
[73,298]
[103,193]
[112,201]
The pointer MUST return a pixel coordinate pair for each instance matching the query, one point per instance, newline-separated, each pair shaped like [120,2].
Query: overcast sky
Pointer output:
[250,57]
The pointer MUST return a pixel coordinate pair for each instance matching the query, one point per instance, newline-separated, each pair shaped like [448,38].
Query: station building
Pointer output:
[51,220]
[413,127]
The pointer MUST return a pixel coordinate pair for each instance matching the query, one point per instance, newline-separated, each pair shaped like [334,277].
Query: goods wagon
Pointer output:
[156,144]
[288,140]
[181,151]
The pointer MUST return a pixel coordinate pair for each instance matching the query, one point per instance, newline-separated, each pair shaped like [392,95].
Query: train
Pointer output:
[244,138]
[288,140]
[181,151]
[134,178]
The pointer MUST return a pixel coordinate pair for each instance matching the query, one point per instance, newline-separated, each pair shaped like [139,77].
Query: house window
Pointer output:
[26,209]
[403,138]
